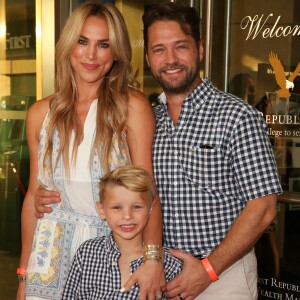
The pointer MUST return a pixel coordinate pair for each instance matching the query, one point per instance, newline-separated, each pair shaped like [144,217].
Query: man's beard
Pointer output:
[183,86]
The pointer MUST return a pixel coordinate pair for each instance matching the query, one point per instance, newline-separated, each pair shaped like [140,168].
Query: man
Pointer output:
[213,162]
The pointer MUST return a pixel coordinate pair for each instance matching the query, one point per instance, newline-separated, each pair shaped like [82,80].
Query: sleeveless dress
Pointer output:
[75,219]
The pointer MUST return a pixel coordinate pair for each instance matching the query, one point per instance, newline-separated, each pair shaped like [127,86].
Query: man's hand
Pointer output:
[192,280]
[42,199]
[150,277]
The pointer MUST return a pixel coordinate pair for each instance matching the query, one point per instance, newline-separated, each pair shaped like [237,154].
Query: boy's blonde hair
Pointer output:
[132,178]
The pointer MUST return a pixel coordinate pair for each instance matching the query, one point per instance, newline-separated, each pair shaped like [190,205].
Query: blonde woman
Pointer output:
[95,122]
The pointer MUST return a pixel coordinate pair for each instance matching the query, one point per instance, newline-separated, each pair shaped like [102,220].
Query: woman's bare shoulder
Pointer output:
[39,108]
[37,113]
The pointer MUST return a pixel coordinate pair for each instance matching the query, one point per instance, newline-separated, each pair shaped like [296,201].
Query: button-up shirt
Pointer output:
[95,272]
[208,165]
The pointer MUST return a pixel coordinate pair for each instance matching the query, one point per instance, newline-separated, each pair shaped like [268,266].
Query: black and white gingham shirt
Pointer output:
[216,158]
[95,274]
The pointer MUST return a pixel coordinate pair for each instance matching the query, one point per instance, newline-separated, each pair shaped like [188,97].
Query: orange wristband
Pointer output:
[21,271]
[209,269]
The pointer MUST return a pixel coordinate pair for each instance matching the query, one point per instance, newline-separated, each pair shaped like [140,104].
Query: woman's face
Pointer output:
[92,58]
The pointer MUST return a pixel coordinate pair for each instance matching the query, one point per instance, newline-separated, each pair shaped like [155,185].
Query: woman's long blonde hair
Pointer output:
[113,93]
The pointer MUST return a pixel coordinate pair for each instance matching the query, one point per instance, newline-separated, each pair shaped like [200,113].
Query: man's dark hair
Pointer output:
[186,16]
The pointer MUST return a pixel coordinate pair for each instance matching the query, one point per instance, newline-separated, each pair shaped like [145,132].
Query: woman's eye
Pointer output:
[82,42]
[103,45]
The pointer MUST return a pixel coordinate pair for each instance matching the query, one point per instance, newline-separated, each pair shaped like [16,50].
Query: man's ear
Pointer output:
[201,50]
[100,209]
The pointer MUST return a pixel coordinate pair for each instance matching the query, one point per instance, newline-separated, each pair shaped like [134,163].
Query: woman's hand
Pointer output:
[21,294]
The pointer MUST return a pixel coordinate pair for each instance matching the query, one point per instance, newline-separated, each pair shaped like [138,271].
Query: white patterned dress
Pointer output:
[74,220]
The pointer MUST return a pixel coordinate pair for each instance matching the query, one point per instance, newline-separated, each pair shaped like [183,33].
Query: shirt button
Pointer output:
[175,183]
[114,263]
[176,215]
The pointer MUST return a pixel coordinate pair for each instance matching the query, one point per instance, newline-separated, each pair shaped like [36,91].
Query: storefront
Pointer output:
[247,46]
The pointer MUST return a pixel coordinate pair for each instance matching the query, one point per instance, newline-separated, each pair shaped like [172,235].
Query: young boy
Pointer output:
[102,265]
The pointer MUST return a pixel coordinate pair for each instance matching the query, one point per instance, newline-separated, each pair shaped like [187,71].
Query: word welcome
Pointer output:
[257,26]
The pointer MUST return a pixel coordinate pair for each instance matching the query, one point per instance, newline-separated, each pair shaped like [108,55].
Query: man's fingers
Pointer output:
[43,198]
[38,215]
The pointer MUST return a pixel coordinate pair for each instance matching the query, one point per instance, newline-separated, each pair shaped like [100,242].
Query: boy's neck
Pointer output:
[130,250]
[134,245]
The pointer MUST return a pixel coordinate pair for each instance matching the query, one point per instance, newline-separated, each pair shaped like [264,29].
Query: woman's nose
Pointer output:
[92,52]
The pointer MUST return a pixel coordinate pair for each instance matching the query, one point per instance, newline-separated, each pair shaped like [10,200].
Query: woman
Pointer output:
[93,123]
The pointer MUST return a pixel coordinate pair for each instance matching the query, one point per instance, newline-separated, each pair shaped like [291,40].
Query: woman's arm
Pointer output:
[34,120]
[140,133]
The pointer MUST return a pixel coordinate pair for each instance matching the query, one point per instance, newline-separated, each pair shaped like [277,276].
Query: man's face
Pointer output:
[173,56]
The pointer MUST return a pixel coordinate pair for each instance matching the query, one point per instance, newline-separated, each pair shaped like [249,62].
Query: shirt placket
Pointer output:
[175,177]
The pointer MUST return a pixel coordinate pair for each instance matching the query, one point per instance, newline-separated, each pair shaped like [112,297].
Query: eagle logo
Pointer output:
[284,83]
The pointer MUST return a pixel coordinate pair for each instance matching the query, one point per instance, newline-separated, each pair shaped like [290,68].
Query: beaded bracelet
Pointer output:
[153,252]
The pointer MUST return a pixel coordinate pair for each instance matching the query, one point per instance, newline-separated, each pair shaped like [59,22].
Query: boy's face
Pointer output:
[125,211]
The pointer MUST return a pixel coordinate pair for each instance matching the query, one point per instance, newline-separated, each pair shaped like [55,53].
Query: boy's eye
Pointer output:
[116,207]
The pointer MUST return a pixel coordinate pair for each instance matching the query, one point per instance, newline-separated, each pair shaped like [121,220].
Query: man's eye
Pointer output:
[182,47]
[158,50]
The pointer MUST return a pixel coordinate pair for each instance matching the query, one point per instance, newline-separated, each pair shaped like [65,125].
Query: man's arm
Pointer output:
[244,232]
[242,236]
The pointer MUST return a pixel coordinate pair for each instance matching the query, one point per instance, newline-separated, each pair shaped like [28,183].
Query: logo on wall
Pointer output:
[284,83]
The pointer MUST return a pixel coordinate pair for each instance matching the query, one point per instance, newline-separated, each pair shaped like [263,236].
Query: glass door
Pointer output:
[26,74]
[17,93]
[260,62]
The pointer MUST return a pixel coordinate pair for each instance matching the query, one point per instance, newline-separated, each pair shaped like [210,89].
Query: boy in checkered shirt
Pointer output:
[102,265]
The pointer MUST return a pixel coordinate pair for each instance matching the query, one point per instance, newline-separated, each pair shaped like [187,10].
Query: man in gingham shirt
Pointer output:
[213,162]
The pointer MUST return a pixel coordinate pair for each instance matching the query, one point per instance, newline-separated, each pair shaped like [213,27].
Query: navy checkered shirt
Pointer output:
[216,158]
[95,273]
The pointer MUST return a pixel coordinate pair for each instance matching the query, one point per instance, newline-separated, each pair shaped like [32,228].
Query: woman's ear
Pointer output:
[100,209]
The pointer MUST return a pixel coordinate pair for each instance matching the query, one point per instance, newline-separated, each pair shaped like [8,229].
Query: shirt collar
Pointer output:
[197,96]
